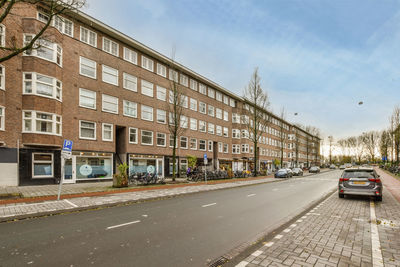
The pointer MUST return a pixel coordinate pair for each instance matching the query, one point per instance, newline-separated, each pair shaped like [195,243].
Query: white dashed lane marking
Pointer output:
[120,225]
[257,253]
[208,205]
[269,244]
[251,195]
[278,236]
[242,264]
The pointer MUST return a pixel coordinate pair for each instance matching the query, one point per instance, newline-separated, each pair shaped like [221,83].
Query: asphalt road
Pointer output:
[182,231]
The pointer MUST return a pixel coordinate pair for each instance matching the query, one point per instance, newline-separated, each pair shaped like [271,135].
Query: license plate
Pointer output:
[358,182]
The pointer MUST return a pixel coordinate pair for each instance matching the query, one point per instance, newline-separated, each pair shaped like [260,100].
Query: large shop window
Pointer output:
[41,122]
[93,166]
[42,165]
[146,164]
[38,84]
[44,49]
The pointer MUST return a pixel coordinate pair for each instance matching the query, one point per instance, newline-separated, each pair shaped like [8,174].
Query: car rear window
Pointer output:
[358,174]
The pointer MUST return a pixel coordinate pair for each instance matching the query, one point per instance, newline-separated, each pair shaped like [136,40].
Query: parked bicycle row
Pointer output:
[144,178]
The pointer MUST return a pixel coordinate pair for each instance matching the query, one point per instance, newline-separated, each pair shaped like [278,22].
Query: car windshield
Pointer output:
[282,170]
[358,174]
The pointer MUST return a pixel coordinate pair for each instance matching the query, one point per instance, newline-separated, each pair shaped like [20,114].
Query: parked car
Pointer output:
[362,181]
[333,167]
[283,173]
[297,172]
[290,172]
[314,169]
[342,167]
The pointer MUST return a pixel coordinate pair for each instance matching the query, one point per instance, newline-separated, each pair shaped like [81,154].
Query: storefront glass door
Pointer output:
[70,170]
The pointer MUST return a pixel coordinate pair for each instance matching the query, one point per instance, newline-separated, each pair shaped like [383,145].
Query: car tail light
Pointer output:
[343,179]
[374,180]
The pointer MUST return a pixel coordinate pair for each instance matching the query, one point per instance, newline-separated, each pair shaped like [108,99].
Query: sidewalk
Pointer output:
[337,232]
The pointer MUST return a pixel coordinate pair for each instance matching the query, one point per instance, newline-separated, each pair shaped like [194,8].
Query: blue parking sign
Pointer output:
[67,145]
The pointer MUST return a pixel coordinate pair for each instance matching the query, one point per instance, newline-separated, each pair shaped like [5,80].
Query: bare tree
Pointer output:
[385,143]
[53,9]
[371,141]
[395,132]
[357,146]
[257,104]
[176,121]
[330,139]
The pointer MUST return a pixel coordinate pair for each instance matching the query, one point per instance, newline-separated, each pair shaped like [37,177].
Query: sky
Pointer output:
[317,58]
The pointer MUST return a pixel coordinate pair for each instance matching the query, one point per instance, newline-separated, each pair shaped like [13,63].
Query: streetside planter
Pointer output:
[120,179]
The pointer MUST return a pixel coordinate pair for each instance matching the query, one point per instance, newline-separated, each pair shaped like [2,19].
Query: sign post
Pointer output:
[205,167]
[66,153]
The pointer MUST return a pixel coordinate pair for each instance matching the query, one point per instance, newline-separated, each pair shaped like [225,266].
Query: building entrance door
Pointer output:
[70,171]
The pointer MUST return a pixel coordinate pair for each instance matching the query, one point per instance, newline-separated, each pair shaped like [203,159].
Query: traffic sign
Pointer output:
[205,159]
[67,145]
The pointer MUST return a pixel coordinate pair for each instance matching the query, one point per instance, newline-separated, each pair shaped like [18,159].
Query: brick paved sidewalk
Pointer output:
[337,232]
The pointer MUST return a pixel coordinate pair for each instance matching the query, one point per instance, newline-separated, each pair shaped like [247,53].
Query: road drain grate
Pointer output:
[218,262]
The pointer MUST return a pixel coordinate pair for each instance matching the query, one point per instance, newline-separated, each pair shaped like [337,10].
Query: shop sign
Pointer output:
[85,170]
[151,169]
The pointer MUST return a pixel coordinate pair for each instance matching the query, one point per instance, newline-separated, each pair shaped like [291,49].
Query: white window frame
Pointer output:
[205,107]
[225,132]
[193,84]
[134,106]
[218,96]
[57,51]
[136,135]
[193,104]
[211,111]
[3,35]
[130,55]
[201,125]
[103,130]
[218,130]
[147,63]
[111,72]
[202,89]
[165,139]
[204,143]
[211,128]
[184,80]
[94,129]
[105,100]
[236,133]
[94,44]
[34,118]
[113,45]
[145,88]
[129,79]
[60,24]
[173,75]
[211,92]
[226,115]
[187,142]
[161,70]
[56,85]
[159,115]
[218,113]
[88,91]
[2,118]
[141,138]
[161,93]
[195,143]
[193,124]
[91,61]
[142,111]
[210,144]
[226,148]
[42,161]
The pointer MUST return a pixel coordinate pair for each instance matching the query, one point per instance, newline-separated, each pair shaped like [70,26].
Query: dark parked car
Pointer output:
[283,173]
[297,172]
[314,169]
[360,181]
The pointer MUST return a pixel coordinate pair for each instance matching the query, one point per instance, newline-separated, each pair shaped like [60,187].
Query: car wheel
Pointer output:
[341,195]
[378,198]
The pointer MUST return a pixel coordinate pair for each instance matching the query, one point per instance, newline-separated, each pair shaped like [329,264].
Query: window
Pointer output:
[235,118]
[110,104]
[202,126]
[193,124]
[64,25]
[193,143]
[161,139]
[232,103]
[161,116]
[226,150]
[218,113]
[130,109]
[245,148]
[202,89]
[110,75]
[184,142]
[211,92]
[87,98]
[235,149]
[210,110]
[226,116]
[193,84]
[236,133]
[147,63]
[130,82]
[245,134]
[38,84]
[211,128]
[218,96]
[130,56]
[184,101]
[220,149]
[133,132]
[2,35]
[245,119]
[161,70]
[43,17]
[226,100]
[202,108]
[147,113]
[107,132]
[202,145]
[161,93]
[42,165]
[87,130]
[184,121]
[184,80]
[193,104]
[219,130]
[171,141]
[147,88]
[147,138]
[2,118]
[87,67]
[210,145]
[89,37]
[173,75]
[110,47]
[45,49]
[226,132]
[41,123]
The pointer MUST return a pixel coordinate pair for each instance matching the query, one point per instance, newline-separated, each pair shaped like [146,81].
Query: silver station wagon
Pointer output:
[360,181]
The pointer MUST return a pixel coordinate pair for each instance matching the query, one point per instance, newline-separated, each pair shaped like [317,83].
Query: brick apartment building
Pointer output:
[108,93]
